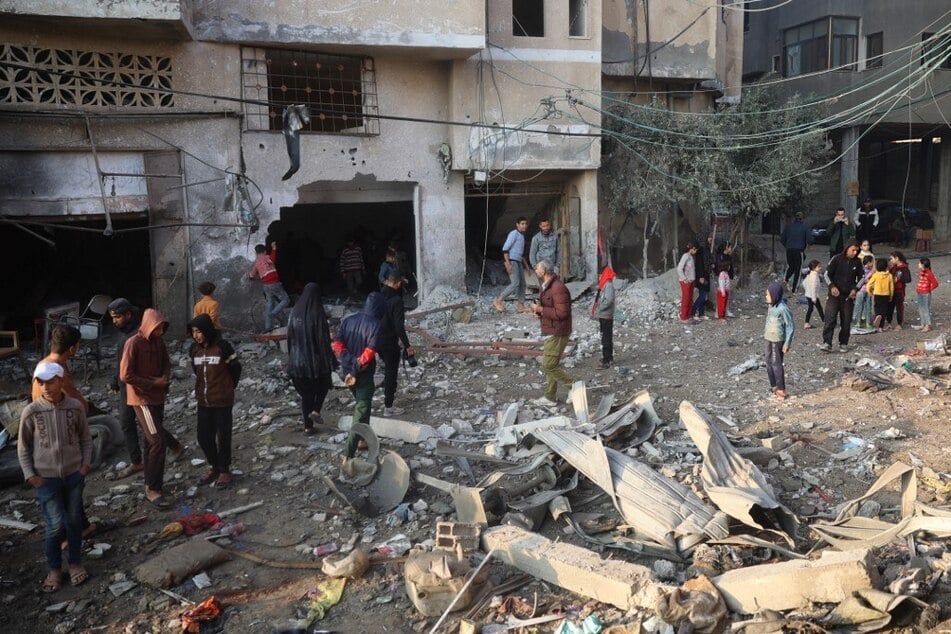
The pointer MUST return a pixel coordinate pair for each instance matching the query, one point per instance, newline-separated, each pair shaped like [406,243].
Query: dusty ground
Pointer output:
[283,467]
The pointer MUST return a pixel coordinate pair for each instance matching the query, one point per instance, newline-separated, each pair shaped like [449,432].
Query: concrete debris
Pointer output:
[733,483]
[753,363]
[393,429]
[871,610]
[434,579]
[458,536]
[661,509]
[621,584]
[790,585]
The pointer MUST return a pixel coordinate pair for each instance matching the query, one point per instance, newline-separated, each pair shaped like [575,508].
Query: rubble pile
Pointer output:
[624,509]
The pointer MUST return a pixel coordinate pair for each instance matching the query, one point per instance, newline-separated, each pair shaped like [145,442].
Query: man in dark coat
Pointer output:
[310,359]
[554,312]
[844,273]
[795,238]
[392,335]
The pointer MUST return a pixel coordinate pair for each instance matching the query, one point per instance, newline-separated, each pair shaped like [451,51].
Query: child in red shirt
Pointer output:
[927,282]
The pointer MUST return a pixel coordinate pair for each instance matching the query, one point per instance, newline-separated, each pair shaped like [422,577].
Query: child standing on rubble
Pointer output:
[778,334]
[603,311]
[927,282]
[811,286]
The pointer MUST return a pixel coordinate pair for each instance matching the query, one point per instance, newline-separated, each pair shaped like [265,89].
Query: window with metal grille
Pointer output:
[339,90]
[874,48]
[936,50]
[528,18]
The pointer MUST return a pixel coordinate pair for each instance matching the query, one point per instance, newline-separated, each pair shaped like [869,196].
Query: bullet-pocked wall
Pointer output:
[185,142]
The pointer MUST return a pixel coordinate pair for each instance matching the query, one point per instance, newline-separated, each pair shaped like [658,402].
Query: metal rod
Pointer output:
[462,591]
[143,175]
[210,180]
[102,188]
[31,232]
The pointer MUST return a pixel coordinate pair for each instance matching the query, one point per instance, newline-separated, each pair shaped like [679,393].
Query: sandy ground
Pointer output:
[283,468]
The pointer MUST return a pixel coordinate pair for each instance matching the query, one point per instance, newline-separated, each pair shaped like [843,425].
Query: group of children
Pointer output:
[695,269]
[880,297]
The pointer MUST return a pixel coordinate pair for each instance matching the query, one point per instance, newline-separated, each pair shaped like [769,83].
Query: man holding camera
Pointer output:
[840,231]
[392,334]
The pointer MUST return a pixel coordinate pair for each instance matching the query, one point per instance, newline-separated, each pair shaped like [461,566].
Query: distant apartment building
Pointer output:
[142,141]
[882,72]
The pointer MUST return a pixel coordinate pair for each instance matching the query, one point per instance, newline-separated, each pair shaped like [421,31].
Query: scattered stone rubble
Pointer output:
[524,490]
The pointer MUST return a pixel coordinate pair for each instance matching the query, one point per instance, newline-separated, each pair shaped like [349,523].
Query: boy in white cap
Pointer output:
[55,452]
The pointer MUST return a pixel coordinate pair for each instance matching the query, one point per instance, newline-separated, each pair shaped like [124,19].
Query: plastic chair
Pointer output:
[89,323]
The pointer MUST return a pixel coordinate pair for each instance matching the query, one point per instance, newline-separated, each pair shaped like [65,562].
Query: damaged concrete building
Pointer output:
[879,68]
[681,55]
[141,142]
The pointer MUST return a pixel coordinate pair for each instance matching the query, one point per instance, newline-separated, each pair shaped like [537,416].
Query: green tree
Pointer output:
[747,158]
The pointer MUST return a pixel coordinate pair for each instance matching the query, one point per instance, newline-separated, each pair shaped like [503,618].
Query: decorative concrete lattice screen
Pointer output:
[49,76]
[339,90]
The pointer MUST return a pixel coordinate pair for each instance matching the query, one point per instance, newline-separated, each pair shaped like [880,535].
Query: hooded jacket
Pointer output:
[215,365]
[128,329]
[603,307]
[358,338]
[779,319]
[309,355]
[555,301]
[843,272]
[881,284]
[393,322]
[144,362]
[54,439]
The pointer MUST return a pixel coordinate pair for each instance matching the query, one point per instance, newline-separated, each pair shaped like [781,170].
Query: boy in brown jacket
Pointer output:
[55,451]
[145,369]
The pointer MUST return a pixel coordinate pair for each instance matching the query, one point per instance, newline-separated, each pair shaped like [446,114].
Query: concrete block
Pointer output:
[776,443]
[450,535]
[795,584]
[579,570]
[394,429]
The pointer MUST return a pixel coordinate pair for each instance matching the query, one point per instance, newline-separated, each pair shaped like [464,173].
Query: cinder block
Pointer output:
[452,534]
[577,569]
[795,584]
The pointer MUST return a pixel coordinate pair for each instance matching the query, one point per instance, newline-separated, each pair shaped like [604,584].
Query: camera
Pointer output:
[410,359]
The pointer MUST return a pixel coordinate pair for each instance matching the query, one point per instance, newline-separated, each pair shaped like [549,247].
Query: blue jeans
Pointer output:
[699,304]
[863,308]
[924,308]
[276,301]
[61,500]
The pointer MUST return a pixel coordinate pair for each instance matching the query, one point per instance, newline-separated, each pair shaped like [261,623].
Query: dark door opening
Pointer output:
[80,263]
[311,237]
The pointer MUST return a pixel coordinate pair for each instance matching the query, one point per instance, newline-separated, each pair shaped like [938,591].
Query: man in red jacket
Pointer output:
[554,311]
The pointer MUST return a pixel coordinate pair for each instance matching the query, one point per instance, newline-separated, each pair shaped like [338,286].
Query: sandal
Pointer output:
[53,581]
[161,503]
[132,469]
[210,476]
[224,481]
[77,574]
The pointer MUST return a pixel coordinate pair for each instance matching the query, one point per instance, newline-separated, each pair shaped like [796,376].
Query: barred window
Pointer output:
[339,90]
[67,77]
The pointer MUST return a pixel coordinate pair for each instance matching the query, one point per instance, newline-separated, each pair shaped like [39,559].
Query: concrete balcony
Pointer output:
[153,19]
[447,29]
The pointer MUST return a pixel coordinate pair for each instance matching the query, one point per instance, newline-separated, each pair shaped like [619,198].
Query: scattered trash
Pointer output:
[205,612]
[353,566]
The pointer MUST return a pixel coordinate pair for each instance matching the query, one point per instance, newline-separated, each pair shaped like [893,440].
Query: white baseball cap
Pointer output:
[46,370]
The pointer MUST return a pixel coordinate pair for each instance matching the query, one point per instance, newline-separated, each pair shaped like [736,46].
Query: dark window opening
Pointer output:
[578,18]
[936,51]
[746,19]
[339,90]
[528,18]
[874,49]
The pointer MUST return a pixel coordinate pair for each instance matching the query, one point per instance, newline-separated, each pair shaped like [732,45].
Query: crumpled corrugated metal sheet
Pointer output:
[735,485]
[659,508]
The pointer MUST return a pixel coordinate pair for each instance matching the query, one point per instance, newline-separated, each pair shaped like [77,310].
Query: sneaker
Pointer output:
[897,326]
[730,314]
[825,347]
[545,402]
[916,327]
[604,365]
[843,347]
[807,325]
[393,411]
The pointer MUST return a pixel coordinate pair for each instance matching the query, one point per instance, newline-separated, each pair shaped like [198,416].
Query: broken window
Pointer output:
[578,18]
[339,90]
[528,18]
[874,48]
[67,77]
[933,49]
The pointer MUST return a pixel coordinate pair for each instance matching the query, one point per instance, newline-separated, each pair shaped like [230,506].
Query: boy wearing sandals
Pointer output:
[55,451]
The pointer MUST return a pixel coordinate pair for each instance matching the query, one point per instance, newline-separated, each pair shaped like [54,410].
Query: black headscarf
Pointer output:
[308,337]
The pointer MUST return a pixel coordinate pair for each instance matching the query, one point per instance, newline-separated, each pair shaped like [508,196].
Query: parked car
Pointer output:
[890,228]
